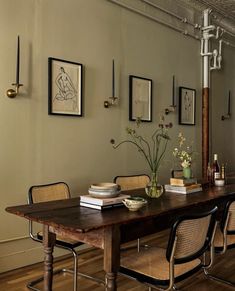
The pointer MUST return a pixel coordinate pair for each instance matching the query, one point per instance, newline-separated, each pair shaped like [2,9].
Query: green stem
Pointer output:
[163,152]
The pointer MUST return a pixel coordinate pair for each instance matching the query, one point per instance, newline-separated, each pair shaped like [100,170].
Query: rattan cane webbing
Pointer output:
[218,241]
[191,235]
[132,182]
[50,192]
[152,262]
[231,221]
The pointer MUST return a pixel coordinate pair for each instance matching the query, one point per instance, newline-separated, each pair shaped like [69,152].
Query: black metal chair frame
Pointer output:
[170,251]
[131,176]
[60,244]
[222,250]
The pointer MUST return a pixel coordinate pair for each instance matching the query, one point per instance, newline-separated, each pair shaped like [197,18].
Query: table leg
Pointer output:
[48,246]
[111,256]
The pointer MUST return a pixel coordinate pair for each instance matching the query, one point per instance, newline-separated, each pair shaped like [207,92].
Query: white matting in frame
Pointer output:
[65,87]
[140,98]
[187,106]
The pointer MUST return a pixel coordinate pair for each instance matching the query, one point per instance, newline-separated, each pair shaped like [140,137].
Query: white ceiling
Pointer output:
[223,12]
[225,8]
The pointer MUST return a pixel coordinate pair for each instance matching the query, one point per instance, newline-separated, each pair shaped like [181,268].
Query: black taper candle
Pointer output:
[113,80]
[18,61]
[173,91]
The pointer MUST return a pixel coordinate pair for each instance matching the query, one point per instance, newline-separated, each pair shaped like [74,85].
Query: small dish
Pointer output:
[134,203]
[219,182]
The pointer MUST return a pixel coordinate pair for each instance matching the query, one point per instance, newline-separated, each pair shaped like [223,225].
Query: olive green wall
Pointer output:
[40,148]
[222,132]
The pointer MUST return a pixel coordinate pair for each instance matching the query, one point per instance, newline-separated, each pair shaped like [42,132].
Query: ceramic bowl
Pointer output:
[104,193]
[134,203]
[219,182]
[104,186]
[104,190]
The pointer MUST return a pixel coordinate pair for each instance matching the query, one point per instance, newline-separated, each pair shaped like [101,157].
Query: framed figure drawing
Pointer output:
[187,106]
[65,87]
[140,98]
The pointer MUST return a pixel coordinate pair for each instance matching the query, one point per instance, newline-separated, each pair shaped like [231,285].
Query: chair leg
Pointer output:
[31,284]
[139,245]
[216,278]
[75,273]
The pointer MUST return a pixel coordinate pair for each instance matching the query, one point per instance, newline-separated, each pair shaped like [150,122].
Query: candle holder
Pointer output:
[11,93]
[172,107]
[227,116]
[112,102]
[112,99]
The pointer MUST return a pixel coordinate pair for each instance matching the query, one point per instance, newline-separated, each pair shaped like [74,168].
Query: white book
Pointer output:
[103,201]
[183,190]
[99,207]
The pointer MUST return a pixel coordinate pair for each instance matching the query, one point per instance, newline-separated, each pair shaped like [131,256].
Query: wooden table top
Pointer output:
[68,215]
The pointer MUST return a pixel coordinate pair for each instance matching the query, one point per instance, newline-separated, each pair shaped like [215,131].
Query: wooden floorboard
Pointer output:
[90,262]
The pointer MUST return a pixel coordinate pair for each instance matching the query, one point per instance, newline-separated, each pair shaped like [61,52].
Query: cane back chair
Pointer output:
[225,237]
[190,237]
[50,192]
[130,183]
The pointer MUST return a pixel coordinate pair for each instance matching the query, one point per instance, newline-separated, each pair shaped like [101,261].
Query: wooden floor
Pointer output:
[91,262]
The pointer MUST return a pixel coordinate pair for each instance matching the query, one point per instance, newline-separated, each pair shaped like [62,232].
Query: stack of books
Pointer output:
[183,186]
[102,203]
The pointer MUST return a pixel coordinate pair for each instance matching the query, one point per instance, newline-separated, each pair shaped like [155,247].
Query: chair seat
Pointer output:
[62,241]
[152,262]
[218,241]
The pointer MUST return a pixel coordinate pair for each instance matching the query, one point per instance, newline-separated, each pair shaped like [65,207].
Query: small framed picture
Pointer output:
[64,87]
[140,98]
[187,106]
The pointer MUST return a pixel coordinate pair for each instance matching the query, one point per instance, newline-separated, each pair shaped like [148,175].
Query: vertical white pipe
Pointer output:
[206,49]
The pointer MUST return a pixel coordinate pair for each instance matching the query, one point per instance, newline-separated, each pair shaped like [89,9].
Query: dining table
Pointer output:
[109,228]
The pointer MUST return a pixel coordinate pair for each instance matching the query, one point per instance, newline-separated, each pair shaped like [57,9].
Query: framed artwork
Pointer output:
[64,87]
[140,98]
[187,106]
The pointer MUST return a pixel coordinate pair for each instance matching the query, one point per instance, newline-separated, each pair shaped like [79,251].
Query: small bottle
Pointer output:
[216,168]
[223,175]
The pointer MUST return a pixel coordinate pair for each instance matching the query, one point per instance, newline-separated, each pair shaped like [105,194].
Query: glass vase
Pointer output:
[153,189]
[187,173]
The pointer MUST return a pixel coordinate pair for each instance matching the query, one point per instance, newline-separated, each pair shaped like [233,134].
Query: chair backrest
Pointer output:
[228,217]
[132,182]
[191,236]
[48,192]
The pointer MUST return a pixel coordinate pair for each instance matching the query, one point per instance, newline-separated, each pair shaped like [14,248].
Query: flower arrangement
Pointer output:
[183,153]
[154,149]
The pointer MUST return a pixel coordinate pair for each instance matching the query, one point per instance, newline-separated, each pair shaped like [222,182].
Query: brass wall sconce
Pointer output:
[228,115]
[11,93]
[172,107]
[110,103]
[112,100]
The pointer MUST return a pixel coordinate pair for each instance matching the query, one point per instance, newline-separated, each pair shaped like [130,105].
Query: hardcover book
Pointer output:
[182,181]
[184,189]
[103,201]
[99,207]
